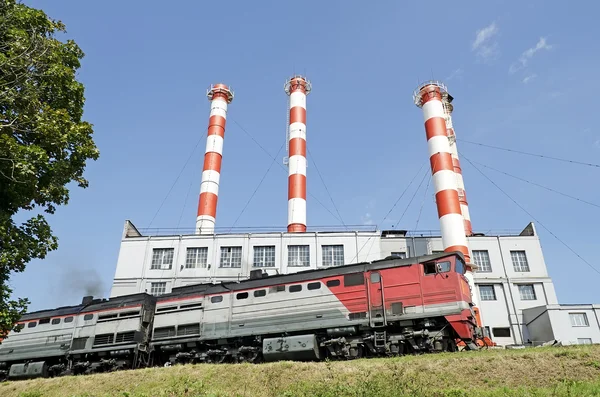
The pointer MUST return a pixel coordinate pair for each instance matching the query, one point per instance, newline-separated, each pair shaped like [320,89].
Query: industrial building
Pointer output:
[511,288]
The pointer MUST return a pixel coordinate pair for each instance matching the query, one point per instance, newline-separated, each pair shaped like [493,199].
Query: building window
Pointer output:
[333,255]
[584,341]
[482,260]
[579,320]
[501,332]
[196,257]
[400,255]
[264,256]
[162,258]
[519,260]
[487,293]
[158,288]
[298,255]
[231,257]
[527,292]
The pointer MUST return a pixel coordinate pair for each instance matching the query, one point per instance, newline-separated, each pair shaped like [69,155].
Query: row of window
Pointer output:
[87,317]
[299,256]
[350,280]
[54,321]
[526,292]
[231,257]
[482,259]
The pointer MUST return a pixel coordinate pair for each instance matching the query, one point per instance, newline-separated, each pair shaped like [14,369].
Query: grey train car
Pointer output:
[95,336]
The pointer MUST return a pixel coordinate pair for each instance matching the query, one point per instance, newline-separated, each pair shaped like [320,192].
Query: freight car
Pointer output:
[385,307]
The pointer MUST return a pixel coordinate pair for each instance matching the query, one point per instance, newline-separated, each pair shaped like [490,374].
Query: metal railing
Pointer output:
[158,231]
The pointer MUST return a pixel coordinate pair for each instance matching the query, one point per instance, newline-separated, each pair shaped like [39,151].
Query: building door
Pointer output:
[376,300]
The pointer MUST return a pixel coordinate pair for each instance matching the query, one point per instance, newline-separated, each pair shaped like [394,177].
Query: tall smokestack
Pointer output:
[297,88]
[220,96]
[462,195]
[429,97]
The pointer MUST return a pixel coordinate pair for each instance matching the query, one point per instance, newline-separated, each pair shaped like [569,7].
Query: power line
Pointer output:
[402,195]
[427,172]
[537,184]
[184,204]
[423,202]
[532,154]
[532,217]
[393,206]
[281,166]
[176,179]
[257,187]
[325,185]
[407,205]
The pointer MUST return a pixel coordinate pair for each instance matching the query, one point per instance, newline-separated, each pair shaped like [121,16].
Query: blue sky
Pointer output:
[523,75]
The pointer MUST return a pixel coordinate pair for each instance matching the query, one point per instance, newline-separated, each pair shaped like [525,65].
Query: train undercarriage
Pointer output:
[341,343]
[77,364]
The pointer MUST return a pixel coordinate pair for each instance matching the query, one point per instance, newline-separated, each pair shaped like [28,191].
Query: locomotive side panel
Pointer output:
[402,291]
[351,291]
[40,340]
[178,318]
[286,308]
[97,331]
[216,315]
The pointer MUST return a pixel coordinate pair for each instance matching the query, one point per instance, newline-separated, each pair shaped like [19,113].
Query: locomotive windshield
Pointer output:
[460,266]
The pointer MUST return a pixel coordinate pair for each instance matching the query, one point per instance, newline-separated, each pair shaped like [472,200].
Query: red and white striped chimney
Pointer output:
[462,194]
[220,96]
[297,88]
[429,97]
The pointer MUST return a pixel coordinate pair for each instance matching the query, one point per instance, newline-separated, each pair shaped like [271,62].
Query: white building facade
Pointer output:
[570,324]
[511,274]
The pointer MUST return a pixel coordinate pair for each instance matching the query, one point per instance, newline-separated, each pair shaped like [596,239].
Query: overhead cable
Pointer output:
[325,185]
[532,217]
[393,206]
[531,154]
[176,179]
[423,202]
[281,166]
[537,184]
[257,187]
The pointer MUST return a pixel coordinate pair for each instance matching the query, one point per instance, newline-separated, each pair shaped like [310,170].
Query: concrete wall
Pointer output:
[538,325]
[569,334]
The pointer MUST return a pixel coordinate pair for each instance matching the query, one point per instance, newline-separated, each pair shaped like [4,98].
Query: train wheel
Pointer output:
[248,357]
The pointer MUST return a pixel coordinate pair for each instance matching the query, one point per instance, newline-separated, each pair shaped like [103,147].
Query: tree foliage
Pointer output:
[44,143]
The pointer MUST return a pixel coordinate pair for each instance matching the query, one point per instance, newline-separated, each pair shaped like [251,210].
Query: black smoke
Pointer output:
[82,281]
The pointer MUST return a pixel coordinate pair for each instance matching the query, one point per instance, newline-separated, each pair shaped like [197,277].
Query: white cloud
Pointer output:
[528,54]
[484,35]
[529,78]
[556,94]
[367,219]
[456,74]
[486,48]
[597,143]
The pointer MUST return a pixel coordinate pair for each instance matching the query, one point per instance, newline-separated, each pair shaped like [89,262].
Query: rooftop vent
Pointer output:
[258,273]
[393,233]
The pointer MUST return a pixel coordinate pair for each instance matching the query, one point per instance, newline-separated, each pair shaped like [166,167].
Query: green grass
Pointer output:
[549,371]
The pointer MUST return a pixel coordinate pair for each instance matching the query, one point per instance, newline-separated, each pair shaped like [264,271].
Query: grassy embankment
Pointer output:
[563,371]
